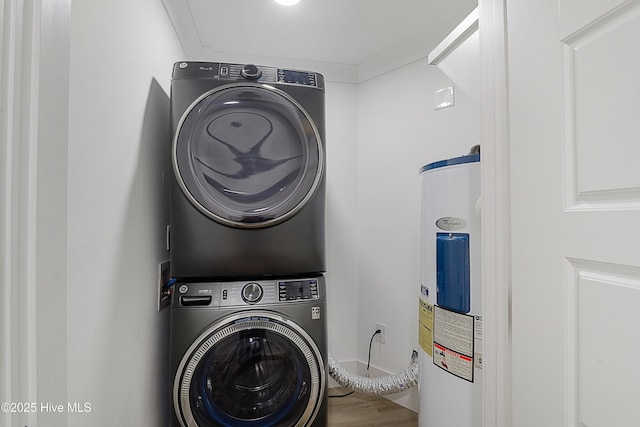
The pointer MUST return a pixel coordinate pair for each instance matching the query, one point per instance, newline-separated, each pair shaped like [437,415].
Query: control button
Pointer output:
[224,71]
[251,72]
[183,289]
[225,294]
[252,293]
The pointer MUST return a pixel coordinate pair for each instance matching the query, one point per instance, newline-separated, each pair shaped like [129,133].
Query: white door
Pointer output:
[574,99]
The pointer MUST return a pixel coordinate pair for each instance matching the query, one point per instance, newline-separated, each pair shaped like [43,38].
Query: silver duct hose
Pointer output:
[376,385]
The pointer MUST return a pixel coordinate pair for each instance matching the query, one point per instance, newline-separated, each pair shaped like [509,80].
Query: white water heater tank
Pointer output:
[450,298]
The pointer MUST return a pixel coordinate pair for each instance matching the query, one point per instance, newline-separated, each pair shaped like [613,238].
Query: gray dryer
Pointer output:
[248,192]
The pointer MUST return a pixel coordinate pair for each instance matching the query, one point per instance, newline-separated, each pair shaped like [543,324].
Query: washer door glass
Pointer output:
[257,371]
[247,155]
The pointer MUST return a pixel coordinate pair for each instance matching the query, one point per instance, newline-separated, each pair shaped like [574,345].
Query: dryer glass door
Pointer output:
[253,371]
[247,155]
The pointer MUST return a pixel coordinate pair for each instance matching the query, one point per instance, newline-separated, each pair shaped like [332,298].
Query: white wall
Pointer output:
[121,63]
[342,190]
[398,132]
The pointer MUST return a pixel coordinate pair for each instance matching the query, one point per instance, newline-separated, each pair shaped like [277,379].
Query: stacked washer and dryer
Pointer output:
[247,242]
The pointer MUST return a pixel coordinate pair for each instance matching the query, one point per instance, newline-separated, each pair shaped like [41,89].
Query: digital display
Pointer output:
[297,77]
[297,290]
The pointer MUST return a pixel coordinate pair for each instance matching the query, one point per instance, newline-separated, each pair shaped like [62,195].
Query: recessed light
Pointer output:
[287,2]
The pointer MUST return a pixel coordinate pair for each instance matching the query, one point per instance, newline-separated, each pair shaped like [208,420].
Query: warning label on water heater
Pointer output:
[425,334]
[453,342]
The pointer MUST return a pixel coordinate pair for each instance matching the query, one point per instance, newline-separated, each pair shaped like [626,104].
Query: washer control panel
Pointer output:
[298,290]
[243,293]
[247,72]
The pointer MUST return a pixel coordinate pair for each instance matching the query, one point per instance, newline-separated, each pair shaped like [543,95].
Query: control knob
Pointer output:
[252,293]
[251,72]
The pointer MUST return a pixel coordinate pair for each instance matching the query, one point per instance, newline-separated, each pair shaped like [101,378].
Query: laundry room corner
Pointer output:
[366,136]
[399,131]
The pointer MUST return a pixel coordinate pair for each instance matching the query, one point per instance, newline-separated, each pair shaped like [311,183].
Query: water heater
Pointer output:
[450,299]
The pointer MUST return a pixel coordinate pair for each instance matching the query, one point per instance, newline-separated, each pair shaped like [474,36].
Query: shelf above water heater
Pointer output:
[458,56]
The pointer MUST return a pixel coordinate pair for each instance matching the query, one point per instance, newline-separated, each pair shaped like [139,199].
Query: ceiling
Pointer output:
[358,37]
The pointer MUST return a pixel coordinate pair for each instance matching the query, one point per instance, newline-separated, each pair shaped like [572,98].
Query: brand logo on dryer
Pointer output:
[450,223]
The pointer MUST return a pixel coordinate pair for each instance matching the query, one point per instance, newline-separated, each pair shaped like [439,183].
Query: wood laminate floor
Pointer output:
[363,410]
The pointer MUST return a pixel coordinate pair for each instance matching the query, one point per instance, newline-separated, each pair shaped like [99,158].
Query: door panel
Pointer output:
[575,127]
[601,65]
[601,222]
[603,314]
[575,14]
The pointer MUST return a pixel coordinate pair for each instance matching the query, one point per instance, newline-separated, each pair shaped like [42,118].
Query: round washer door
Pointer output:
[247,155]
[251,369]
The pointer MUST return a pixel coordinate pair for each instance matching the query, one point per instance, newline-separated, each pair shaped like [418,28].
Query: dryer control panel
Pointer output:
[243,293]
[247,72]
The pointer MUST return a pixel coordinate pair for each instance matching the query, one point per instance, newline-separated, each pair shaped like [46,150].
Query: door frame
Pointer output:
[34,82]
[496,215]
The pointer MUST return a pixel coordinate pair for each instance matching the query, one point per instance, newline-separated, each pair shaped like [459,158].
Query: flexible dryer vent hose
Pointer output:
[376,385]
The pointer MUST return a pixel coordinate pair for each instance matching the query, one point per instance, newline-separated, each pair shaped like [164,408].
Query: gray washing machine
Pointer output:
[248,194]
[249,353]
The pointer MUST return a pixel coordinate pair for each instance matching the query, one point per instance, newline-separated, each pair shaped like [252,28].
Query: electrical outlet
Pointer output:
[164,293]
[382,336]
